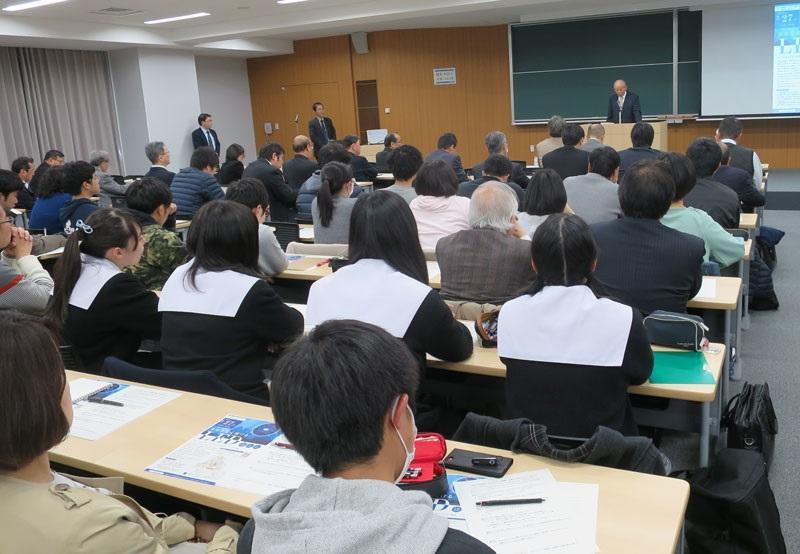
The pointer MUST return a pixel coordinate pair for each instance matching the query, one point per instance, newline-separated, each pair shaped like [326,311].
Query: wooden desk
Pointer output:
[181,224]
[726,298]
[653,506]
[306,269]
[748,221]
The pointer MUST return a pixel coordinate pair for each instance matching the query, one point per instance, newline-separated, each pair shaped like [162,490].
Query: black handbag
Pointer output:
[751,421]
[676,330]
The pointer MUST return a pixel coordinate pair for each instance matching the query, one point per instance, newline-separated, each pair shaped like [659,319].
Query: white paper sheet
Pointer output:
[94,421]
[307,233]
[238,453]
[433,269]
[80,389]
[59,250]
[583,497]
[708,289]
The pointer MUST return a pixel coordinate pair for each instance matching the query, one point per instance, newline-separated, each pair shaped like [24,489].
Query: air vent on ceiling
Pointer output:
[117,12]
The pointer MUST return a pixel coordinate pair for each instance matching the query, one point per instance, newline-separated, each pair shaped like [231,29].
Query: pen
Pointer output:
[510,502]
[105,402]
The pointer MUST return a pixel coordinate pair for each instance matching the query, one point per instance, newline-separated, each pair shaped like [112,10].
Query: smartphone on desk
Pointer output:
[479,463]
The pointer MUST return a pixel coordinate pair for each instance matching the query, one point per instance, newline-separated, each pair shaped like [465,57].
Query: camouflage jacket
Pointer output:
[163,252]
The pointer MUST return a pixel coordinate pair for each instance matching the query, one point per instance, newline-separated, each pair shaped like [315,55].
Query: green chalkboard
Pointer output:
[568,68]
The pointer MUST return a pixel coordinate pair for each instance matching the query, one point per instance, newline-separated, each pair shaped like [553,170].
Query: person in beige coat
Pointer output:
[43,511]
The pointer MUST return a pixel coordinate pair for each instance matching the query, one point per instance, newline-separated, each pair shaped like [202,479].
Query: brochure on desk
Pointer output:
[240,453]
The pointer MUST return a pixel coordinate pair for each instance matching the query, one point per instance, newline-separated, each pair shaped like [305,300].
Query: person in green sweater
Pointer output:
[721,246]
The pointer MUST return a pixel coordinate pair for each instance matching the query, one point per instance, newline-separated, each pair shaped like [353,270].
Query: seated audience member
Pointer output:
[250,193]
[343,397]
[387,283]
[23,167]
[158,154]
[331,152]
[595,136]
[594,196]
[730,132]
[496,168]
[446,151]
[52,198]
[45,511]
[220,314]
[721,246]
[570,354]
[391,142]
[233,167]
[568,160]
[555,127]
[53,158]
[736,179]
[103,311]
[362,169]
[331,209]
[150,203]
[404,167]
[717,200]
[497,143]
[642,262]
[24,285]
[642,136]
[268,169]
[545,196]
[81,183]
[10,187]
[437,209]
[487,264]
[196,185]
[302,166]
[109,188]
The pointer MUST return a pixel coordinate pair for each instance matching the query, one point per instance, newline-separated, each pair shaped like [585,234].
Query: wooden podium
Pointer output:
[618,135]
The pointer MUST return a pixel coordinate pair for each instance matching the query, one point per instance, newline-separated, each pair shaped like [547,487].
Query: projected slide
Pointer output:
[786,58]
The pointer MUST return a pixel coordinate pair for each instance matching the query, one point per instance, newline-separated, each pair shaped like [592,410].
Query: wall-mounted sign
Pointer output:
[444,75]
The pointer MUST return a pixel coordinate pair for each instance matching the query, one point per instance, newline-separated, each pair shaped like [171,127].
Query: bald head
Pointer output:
[597,131]
[620,87]
[493,206]
[302,145]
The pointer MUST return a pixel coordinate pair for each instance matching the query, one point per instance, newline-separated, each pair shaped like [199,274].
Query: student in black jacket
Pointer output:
[717,200]
[642,262]
[570,355]
[568,161]
[386,283]
[268,169]
[362,169]
[220,314]
[103,311]
[23,167]
[737,180]
[497,167]
[642,137]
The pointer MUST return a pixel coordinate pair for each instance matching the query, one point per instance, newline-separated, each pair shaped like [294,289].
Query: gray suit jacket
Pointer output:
[453,159]
[593,197]
[591,144]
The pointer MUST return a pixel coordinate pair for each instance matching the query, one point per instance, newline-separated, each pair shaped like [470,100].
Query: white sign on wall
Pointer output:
[444,75]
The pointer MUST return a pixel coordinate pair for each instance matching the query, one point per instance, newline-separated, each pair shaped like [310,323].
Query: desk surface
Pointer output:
[653,506]
[726,298]
[181,224]
[748,221]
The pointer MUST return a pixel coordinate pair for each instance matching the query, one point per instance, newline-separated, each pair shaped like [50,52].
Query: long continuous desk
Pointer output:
[636,512]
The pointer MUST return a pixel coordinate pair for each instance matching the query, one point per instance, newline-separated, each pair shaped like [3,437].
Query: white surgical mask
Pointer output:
[409,453]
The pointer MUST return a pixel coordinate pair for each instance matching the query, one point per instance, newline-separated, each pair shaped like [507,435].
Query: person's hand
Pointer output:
[173,208]
[21,244]
[204,531]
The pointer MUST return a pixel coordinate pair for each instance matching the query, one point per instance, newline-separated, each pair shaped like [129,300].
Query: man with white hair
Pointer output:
[109,188]
[489,263]
[497,144]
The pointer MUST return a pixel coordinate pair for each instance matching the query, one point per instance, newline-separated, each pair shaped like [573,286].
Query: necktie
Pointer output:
[209,139]
[620,101]
[324,129]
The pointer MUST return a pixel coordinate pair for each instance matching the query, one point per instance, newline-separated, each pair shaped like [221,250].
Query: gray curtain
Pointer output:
[56,99]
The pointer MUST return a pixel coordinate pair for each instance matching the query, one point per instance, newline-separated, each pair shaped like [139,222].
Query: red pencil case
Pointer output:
[426,472]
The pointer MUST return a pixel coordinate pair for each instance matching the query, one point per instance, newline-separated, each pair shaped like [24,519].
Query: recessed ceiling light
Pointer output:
[176,18]
[28,5]
[289,1]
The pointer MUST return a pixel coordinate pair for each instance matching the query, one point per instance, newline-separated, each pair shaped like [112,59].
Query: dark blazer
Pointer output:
[631,109]
[453,159]
[230,171]
[298,170]
[281,195]
[382,160]
[631,155]
[317,135]
[647,265]
[468,187]
[199,139]
[362,169]
[567,161]
[717,200]
[25,198]
[37,177]
[161,173]
[741,183]
[517,174]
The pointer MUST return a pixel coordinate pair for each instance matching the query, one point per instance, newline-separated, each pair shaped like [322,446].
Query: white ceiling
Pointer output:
[250,28]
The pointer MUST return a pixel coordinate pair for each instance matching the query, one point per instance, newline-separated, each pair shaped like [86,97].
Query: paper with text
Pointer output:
[708,289]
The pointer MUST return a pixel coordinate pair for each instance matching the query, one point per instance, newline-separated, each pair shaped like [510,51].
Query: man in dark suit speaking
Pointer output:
[320,129]
[623,106]
[205,135]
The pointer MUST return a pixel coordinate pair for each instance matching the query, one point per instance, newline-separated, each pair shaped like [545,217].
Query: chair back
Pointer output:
[285,232]
[304,220]
[197,381]
[306,249]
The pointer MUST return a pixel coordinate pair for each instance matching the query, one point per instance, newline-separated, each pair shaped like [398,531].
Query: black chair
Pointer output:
[37,231]
[197,381]
[119,179]
[285,232]
[304,220]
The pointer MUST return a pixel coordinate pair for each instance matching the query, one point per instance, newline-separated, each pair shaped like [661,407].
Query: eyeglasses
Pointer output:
[8,220]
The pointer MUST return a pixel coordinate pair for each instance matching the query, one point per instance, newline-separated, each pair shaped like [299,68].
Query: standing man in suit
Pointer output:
[268,169]
[158,154]
[446,150]
[301,167]
[205,135]
[623,105]
[568,161]
[362,169]
[497,143]
[320,128]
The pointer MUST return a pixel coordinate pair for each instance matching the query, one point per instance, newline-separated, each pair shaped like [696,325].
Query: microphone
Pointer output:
[297,118]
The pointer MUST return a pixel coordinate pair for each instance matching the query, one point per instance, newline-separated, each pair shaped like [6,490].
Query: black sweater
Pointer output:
[122,314]
[435,331]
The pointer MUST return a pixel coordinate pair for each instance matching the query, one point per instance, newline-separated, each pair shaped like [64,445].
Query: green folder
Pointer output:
[680,368]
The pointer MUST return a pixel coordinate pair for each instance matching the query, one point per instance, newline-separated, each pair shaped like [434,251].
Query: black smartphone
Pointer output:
[479,463]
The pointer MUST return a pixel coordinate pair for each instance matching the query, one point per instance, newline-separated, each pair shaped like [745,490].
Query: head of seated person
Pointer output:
[235,153]
[563,252]
[642,135]
[79,180]
[10,185]
[706,156]
[647,190]
[101,160]
[498,166]
[436,178]
[605,162]
[250,192]
[152,197]
[572,134]
[404,163]
[333,152]
[683,173]
[336,182]
[494,206]
[544,196]
[52,182]
[555,126]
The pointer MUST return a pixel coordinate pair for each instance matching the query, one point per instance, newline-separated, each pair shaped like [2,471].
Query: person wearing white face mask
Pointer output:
[341,395]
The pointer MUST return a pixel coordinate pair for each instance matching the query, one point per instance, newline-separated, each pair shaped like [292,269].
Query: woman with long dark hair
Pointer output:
[220,314]
[570,355]
[102,310]
[386,283]
[232,169]
[332,207]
